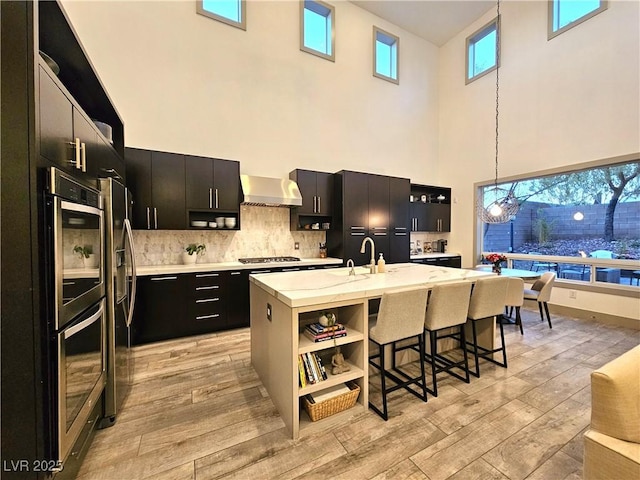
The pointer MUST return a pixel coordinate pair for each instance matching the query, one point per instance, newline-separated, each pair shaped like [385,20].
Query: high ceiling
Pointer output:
[437,21]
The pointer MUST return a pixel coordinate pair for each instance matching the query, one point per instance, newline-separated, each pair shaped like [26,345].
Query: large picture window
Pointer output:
[590,213]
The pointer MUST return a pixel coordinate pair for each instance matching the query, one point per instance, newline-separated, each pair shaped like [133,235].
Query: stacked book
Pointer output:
[318,333]
[311,369]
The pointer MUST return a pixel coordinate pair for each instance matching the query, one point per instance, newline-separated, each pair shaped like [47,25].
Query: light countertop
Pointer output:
[145,270]
[297,289]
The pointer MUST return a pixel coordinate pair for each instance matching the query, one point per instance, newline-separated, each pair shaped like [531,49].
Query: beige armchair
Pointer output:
[612,444]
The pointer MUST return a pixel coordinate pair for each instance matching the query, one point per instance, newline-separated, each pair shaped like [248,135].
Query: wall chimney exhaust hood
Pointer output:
[270,192]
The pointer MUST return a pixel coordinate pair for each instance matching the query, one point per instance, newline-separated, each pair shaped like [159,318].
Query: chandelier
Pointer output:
[496,204]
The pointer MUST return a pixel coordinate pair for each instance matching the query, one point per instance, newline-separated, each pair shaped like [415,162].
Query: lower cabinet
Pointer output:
[454,262]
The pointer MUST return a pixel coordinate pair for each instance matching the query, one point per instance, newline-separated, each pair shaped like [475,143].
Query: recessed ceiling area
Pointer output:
[437,21]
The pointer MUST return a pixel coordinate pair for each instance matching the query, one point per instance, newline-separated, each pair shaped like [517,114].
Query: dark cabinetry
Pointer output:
[430,209]
[212,186]
[316,189]
[454,262]
[157,180]
[370,205]
[68,138]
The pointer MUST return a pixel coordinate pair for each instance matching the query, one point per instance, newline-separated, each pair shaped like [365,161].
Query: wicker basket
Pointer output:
[318,411]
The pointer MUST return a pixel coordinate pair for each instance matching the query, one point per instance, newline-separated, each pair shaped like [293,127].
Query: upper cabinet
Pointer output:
[316,189]
[172,191]
[430,208]
[212,184]
[157,182]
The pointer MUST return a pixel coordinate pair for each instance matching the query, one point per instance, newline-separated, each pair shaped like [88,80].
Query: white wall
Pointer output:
[183,82]
[569,100]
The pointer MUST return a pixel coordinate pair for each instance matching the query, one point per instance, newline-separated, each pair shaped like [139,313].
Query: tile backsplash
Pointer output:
[265,233]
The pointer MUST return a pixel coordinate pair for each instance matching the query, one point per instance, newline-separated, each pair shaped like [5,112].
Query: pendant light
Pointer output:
[495,204]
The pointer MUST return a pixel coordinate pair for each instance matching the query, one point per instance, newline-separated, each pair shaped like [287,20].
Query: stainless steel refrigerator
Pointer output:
[120,283]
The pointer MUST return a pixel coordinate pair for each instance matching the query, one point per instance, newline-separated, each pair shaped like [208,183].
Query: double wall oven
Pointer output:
[76,307]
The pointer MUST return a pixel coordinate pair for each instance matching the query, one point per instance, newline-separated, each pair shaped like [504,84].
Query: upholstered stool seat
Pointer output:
[540,292]
[515,298]
[487,300]
[400,317]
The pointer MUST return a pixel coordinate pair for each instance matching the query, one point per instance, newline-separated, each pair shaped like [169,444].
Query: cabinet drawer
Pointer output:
[208,306]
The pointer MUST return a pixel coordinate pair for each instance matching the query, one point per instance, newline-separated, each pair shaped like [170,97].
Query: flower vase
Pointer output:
[497,268]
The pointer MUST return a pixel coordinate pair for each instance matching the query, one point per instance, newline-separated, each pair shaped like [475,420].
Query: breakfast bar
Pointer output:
[282,304]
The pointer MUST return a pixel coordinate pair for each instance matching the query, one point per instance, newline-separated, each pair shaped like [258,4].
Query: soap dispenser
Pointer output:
[381,264]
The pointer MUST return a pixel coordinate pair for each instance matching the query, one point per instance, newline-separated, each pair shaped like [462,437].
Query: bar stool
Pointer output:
[447,308]
[400,317]
[541,292]
[515,298]
[487,301]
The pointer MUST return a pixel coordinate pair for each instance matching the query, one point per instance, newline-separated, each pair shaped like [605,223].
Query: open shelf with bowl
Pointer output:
[208,220]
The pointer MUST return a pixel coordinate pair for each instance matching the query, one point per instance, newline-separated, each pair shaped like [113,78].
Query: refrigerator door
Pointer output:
[120,259]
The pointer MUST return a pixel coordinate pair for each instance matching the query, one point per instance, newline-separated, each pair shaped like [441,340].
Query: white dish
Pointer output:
[213,225]
[220,221]
[198,223]
[229,222]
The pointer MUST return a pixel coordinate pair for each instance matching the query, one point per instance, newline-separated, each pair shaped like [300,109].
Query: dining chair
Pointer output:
[487,301]
[515,298]
[540,291]
[400,317]
[447,308]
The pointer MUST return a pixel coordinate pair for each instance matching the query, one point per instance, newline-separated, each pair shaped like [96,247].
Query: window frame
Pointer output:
[474,37]
[332,16]
[395,49]
[242,24]
[604,4]
[593,285]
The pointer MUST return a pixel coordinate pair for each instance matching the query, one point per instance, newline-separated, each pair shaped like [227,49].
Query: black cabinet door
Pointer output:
[226,185]
[159,308]
[56,124]
[110,164]
[198,182]
[238,306]
[399,225]
[355,201]
[138,165]
[418,214]
[324,193]
[306,180]
[378,193]
[438,217]
[168,191]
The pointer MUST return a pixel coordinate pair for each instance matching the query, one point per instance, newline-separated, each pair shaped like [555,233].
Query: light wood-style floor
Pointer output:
[198,411]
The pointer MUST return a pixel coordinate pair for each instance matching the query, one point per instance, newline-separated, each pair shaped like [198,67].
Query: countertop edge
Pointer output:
[146,270]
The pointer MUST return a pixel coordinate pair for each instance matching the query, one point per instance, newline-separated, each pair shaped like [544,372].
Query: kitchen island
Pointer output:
[282,304]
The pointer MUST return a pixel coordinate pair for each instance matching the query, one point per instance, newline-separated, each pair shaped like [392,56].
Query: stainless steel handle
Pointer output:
[83,147]
[261,271]
[159,279]
[400,228]
[379,234]
[134,271]
[111,172]
[207,300]
[357,227]
[357,234]
[78,157]
[379,228]
[318,204]
[211,198]
[148,220]
[210,287]
[205,317]
[217,206]
[205,275]
[68,284]
[155,217]
[69,332]
[235,273]
[291,269]
[400,234]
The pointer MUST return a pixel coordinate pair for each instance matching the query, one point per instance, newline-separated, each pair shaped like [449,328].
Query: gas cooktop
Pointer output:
[268,259]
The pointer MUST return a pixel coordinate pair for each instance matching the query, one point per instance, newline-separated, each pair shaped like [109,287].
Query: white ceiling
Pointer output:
[437,21]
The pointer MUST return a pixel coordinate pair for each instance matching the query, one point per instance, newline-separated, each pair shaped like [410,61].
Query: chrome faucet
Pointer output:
[372,265]
[352,272]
